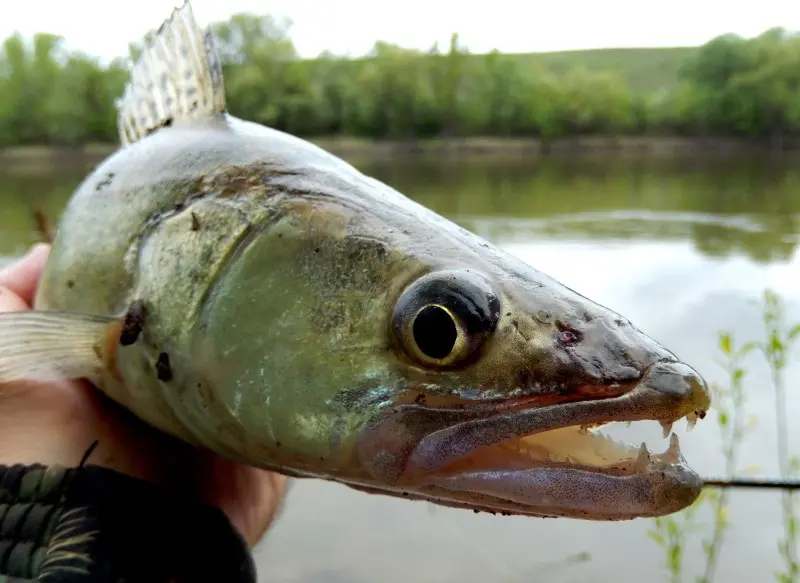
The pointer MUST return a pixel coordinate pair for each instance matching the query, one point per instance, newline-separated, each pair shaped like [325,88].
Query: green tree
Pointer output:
[731,86]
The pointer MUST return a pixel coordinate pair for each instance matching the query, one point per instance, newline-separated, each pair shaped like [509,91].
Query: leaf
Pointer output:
[775,344]
[725,343]
[675,557]
[747,348]
[672,528]
[771,299]
[657,537]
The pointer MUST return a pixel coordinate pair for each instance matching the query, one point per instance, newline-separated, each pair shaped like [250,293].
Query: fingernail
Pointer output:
[37,248]
[33,250]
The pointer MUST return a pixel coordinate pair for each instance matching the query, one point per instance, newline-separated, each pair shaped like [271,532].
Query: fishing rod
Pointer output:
[781,484]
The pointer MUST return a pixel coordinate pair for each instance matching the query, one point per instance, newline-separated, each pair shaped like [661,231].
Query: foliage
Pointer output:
[672,533]
[730,86]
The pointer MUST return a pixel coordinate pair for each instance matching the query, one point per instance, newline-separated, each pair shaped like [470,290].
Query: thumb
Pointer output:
[21,278]
[11,302]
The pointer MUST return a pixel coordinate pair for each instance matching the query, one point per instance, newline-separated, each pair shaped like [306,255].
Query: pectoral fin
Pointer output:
[51,345]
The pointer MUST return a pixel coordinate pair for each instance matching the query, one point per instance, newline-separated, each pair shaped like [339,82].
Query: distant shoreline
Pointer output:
[42,158]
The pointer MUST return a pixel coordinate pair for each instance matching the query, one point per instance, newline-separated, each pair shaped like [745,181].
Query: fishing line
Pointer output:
[782,484]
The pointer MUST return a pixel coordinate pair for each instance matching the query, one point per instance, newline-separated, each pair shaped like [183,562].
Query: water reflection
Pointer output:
[724,206]
[20,195]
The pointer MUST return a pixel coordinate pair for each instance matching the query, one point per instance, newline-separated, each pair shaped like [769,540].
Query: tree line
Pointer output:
[731,86]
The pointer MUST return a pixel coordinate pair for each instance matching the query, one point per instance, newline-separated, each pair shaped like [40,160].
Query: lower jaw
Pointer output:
[567,493]
[611,482]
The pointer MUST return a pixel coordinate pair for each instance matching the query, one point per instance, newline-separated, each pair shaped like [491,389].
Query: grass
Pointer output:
[646,70]
[672,533]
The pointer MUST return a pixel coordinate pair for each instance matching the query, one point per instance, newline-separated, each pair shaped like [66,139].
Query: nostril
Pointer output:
[566,337]
[566,334]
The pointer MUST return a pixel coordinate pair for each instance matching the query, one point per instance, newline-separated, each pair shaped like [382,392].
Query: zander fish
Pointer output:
[250,293]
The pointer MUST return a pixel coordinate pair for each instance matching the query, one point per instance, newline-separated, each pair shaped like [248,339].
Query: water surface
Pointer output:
[684,249]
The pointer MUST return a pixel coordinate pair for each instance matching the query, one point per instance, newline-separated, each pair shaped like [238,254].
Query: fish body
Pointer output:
[247,292]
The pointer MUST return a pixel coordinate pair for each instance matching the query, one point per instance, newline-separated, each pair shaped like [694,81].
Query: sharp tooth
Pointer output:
[691,420]
[673,453]
[666,427]
[643,459]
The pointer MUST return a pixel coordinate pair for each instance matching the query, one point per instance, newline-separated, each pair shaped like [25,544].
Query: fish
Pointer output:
[248,292]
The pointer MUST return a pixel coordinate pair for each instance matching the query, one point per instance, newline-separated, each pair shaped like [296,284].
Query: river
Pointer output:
[682,248]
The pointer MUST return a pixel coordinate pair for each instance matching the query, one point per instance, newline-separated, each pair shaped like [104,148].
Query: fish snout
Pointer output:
[661,371]
[609,350]
[677,381]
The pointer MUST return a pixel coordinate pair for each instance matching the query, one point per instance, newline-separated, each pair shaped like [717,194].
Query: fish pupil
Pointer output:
[435,332]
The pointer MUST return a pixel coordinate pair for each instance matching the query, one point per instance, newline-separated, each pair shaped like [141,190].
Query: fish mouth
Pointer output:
[553,461]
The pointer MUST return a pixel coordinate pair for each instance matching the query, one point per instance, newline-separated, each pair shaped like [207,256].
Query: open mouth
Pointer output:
[573,472]
[574,447]
[554,461]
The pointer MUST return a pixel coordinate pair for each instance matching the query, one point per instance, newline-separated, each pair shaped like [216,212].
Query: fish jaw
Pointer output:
[521,457]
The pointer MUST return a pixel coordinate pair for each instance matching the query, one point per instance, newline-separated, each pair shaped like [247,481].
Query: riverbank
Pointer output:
[42,158]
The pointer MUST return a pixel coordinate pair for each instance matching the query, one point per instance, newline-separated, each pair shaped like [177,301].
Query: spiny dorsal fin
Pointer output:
[178,77]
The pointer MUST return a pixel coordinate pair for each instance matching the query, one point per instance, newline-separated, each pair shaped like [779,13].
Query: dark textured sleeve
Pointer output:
[92,525]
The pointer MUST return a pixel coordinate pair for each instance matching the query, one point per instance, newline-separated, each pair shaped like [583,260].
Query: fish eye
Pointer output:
[443,318]
[436,332]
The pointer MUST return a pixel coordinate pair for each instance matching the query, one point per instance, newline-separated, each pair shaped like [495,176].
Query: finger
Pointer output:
[252,498]
[255,503]
[22,276]
[11,302]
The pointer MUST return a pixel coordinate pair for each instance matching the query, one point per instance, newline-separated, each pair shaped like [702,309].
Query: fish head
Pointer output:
[503,373]
[506,371]
[419,360]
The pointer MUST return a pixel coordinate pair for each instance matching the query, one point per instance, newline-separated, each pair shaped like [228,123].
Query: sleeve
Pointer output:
[92,524]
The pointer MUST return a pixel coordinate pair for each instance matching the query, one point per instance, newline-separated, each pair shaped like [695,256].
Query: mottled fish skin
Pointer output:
[266,275]
[174,237]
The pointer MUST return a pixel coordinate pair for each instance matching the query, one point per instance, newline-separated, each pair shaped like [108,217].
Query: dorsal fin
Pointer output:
[178,77]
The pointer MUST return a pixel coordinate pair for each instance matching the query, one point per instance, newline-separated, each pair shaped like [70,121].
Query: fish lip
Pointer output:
[573,491]
[650,398]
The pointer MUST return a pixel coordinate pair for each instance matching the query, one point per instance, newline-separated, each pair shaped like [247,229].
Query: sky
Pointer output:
[350,27]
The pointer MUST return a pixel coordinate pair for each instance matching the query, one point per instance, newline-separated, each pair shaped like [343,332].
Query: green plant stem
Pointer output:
[720,502]
[776,350]
[789,544]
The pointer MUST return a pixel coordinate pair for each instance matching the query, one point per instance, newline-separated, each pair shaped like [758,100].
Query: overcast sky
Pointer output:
[104,27]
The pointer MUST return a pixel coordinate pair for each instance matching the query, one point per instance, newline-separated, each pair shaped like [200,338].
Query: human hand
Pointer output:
[55,423]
